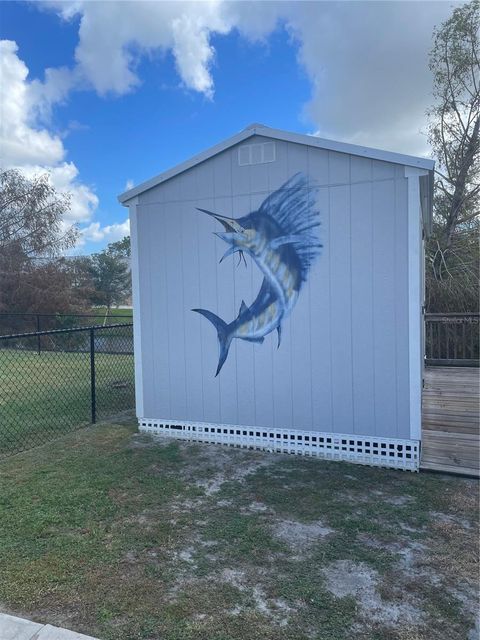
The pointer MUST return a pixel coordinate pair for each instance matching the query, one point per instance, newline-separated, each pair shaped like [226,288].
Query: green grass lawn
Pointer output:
[42,396]
[114,316]
[96,317]
[123,537]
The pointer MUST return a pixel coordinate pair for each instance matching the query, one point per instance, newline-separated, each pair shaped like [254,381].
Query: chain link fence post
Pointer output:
[92,377]
[39,341]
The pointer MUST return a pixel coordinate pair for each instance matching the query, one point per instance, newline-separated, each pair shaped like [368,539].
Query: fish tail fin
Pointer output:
[224,336]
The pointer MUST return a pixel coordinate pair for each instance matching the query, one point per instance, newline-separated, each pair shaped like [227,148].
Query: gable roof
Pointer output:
[277,134]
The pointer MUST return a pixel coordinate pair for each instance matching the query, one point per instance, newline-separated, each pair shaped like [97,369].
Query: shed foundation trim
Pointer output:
[370,450]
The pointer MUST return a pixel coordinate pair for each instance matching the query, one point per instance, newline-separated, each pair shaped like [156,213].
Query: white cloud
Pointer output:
[28,146]
[20,142]
[256,20]
[193,54]
[53,90]
[114,35]
[368,65]
[64,178]
[84,201]
[111,233]
[366,61]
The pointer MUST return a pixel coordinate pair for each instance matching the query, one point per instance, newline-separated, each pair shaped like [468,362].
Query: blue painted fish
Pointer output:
[280,237]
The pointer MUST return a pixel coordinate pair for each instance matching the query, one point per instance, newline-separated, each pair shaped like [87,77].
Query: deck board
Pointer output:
[450,420]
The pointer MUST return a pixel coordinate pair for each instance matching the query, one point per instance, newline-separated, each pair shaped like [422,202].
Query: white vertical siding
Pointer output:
[383,207]
[343,364]
[363,369]
[341,308]
[319,285]
[190,264]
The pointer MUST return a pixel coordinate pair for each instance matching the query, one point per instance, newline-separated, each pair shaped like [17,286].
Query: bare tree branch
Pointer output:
[452,257]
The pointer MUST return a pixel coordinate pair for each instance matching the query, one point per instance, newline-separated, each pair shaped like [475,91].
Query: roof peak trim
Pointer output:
[286,136]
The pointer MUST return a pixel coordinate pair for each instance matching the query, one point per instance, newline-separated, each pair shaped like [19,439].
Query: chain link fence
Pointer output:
[53,382]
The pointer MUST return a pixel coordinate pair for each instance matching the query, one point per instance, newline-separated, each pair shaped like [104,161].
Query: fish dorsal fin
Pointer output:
[293,207]
[243,308]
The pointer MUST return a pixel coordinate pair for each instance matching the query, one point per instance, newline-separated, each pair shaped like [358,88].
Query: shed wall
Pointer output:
[343,363]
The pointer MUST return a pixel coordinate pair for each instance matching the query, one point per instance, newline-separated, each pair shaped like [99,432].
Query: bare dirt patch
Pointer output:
[299,535]
[345,578]
[226,465]
[275,608]
[256,507]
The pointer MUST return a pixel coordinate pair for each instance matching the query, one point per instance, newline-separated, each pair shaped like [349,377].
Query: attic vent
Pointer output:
[256,153]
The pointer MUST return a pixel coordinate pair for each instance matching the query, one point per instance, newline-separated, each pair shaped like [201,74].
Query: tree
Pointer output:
[110,271]
[32,234]
[454,133]
[47,287]
[32,216]
[121,248]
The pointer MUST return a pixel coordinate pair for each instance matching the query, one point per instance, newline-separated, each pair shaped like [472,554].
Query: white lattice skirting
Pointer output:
[369,450]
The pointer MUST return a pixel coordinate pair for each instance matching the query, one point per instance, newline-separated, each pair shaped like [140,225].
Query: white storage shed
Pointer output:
[277,297]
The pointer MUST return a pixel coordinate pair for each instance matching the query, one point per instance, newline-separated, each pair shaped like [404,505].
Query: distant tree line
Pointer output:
[35,276]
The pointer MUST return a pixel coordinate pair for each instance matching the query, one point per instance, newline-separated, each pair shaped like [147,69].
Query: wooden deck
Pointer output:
[450,420]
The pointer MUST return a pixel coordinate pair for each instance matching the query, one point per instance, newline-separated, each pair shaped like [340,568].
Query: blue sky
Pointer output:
[136,89]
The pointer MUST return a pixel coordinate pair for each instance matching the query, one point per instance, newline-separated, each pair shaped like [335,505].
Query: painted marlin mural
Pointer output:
[281,238]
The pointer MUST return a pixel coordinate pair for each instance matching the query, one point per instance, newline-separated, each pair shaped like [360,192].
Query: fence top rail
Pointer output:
[34,334]
[470,314]
[66,315]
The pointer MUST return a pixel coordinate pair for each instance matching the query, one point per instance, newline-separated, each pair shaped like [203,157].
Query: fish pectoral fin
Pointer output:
[289,239]
[279,330]
[256,340]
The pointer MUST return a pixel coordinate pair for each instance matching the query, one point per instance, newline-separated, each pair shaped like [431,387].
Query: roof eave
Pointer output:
[347,147]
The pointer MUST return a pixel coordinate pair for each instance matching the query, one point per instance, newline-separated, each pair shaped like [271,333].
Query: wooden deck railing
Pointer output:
[452,339]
